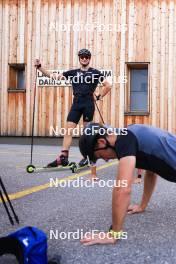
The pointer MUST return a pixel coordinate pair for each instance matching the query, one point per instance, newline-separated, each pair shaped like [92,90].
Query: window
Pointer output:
[17,76]
[137,88]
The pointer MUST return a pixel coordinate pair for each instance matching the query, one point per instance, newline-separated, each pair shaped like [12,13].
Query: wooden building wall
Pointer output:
[151,38]
[25,34]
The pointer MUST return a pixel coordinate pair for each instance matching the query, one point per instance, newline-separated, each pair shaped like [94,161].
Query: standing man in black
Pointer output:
[84,82]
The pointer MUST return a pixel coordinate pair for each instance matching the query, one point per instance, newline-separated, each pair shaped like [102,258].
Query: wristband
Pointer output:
[116,235]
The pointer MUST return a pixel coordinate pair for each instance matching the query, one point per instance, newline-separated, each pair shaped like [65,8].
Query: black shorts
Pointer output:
[81,107]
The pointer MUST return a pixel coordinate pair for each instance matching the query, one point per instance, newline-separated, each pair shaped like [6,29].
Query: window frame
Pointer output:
[128,67]
[16,67]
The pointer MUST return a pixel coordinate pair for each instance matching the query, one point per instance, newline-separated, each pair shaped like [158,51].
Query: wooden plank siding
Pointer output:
[27,32]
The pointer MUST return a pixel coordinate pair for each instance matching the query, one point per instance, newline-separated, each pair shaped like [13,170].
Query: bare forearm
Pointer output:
[106,89]
[93,170]
[121,195]
[47,74]
[56,76]
[120,203]
[149,185]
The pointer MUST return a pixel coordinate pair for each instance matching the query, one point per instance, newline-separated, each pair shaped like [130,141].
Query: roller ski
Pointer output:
[61,163]
[72,166]
[84,163]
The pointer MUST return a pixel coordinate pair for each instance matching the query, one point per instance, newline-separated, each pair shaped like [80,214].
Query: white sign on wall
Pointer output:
[45,81]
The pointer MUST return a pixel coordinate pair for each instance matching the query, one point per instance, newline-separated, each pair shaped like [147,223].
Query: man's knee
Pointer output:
[69,128]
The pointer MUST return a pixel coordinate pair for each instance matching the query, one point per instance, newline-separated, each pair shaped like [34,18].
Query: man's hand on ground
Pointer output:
[101,238]
[135,209]
[93,177]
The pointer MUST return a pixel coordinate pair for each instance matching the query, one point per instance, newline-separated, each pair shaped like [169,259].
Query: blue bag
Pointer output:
[34,244]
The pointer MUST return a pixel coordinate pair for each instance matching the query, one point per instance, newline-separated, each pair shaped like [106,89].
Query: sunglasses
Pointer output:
[82,57]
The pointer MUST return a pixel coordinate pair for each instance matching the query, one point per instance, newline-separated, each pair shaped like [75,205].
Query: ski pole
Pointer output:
[33,116]
[99,113]
[7,197]
[6,208]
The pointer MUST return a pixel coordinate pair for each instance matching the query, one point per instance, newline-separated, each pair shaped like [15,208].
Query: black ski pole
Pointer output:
[99,112]
[6,208]
[33,117]
[7,197]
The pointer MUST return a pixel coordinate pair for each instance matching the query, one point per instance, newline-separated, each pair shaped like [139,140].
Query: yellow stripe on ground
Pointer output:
[45,186]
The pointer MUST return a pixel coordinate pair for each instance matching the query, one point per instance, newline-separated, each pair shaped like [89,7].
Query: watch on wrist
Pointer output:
[114,234]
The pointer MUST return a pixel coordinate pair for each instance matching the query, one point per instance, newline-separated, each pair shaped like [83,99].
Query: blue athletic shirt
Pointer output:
[84,82]
[154,149]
